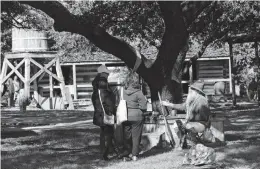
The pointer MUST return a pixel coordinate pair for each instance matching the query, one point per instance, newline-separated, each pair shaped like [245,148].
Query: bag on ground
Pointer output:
[200,155]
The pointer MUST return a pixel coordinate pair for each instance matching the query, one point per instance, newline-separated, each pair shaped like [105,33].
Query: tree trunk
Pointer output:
[170,91]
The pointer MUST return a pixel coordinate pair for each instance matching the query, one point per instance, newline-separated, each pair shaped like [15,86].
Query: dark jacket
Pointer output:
[107,97]
[10,85]
[136,103]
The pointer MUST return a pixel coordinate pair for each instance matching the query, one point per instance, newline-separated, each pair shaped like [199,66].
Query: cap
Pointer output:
[103,69]
[198,86]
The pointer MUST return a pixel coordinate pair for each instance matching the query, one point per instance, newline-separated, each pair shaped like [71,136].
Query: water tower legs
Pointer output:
[29,62]
[3,73]
[27,73]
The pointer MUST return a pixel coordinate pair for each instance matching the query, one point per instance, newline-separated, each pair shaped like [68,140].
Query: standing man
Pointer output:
[252,90]
[108,101]
[10,88]
[16,88]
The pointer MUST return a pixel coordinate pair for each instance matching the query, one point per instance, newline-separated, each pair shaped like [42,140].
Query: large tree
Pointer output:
[165,25]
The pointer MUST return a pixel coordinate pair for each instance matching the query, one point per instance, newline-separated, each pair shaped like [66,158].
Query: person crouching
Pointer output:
[197,111]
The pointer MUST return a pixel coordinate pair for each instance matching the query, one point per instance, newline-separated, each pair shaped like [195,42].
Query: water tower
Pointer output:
[30,60]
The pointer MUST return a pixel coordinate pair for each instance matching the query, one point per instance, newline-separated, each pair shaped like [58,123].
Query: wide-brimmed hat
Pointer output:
[103,69]
[198,86]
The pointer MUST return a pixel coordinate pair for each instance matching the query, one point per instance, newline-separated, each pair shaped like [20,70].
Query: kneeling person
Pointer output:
[197,110]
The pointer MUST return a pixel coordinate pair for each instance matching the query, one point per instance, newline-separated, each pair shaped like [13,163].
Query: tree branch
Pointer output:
[65,21]
[174,38]
[192,9]
[213,36]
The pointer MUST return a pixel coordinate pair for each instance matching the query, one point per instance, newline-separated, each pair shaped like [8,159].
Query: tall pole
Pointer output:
[74,81]
[232,73]
[62,82]
[27,78]
[258,71]
[51,90]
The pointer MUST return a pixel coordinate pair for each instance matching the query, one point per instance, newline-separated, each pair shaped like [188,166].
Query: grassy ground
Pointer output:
[76,147]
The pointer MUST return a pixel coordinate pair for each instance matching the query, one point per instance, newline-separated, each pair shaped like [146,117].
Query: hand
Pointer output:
[165,103]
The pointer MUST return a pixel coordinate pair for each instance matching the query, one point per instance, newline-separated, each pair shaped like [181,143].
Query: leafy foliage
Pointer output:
[139,23]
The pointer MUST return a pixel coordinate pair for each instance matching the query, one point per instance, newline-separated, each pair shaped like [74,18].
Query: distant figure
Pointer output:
[219,91]
[252,90]
[3,89]
[10,89]
[22,100]
[16,88]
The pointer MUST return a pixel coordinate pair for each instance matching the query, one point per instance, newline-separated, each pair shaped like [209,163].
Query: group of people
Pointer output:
[196,108]
[12,88]
[132,128]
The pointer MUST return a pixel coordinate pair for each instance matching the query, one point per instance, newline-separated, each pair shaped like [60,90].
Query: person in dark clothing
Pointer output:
[108,101]
[136,106]
[10,88]
[252,90]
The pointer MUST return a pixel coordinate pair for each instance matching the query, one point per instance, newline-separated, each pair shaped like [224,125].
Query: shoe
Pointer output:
[124,154]
[105,158]
[134,158]
[125,159]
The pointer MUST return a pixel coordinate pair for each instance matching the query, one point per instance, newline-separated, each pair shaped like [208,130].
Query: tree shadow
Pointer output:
[72,148]
[242,135]
[155,151]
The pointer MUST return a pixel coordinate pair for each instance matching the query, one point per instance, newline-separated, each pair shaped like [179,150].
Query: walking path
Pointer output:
[75,125]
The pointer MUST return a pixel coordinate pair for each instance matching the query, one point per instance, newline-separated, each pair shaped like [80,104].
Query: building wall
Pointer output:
[209,70]
[85,74]
[212,71]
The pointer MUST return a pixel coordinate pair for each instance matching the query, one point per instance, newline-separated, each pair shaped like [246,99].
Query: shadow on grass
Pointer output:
[155,151]
[15,133]
[72,148]
[242,135]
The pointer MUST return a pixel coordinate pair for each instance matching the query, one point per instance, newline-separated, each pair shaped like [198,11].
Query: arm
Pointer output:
[180,107]
[142,101]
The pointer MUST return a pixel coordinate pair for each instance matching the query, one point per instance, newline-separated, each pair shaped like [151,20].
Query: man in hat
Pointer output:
[108,101]
[197,109]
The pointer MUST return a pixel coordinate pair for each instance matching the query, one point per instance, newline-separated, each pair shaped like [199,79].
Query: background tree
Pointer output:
[125,29]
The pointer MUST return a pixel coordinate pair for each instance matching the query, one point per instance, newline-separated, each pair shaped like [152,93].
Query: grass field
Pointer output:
[76,146]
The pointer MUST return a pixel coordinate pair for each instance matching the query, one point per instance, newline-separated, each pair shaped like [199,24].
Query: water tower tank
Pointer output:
[27,40]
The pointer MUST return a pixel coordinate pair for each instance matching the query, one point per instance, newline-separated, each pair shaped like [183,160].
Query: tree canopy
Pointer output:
[159,30]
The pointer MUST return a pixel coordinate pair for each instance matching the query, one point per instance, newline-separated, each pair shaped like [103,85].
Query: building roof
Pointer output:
[210,51]
[88,57]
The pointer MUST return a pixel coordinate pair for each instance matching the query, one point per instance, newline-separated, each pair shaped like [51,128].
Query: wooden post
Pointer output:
[3,74]
[75,81]
[51,90]
[27,78]
[4,71]
[35,87]
[232,73]
[191,74]
[62,83]
[258,72]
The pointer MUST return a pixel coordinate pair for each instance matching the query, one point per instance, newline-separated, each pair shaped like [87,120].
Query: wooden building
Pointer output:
[78,76]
